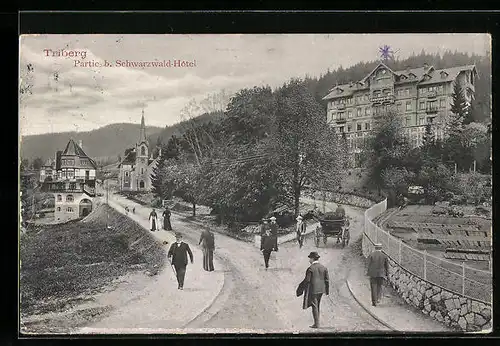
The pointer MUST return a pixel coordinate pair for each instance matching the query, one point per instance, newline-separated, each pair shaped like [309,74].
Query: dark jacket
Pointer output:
[207,240]
[179,254]
[268,242]
[316,281]
[378,265]
[274,229]
[166,213]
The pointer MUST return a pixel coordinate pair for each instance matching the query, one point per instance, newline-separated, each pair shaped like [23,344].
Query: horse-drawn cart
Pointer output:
[332,228]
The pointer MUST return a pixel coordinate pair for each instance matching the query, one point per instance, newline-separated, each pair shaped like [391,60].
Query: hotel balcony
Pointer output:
[383,99]
[431,94]
[340,120]
[87,187]
[431,109]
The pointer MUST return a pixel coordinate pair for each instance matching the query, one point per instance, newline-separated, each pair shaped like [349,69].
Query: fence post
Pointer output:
[425,264]
[400,242]
[463,278]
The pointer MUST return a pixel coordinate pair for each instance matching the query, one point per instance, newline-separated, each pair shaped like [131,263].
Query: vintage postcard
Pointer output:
[255,183]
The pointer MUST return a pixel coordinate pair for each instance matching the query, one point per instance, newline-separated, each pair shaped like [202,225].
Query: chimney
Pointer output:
[80,143]
[426,65]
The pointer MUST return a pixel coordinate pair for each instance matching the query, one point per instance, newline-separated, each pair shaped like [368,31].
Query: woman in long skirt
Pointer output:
[166,220]
[153,220]
[208,246]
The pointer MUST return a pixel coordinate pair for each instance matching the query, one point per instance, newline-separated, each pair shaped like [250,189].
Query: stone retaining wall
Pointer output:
[344,198]
[444,306]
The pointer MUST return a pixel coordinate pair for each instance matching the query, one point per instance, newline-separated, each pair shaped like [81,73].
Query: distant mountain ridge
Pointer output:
[108,141]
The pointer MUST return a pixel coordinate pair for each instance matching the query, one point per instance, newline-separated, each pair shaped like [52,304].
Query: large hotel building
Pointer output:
[420,95]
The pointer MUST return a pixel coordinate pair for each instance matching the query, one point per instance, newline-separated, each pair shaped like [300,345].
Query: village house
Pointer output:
[137,165]
[420,95]
[71,178]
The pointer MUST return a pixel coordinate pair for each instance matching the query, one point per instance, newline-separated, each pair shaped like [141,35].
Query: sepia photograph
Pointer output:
[255,183]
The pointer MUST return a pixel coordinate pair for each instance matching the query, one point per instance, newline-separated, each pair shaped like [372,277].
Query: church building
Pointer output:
[137,165]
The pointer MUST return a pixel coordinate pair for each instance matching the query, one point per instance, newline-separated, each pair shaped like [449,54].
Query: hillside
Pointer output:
[107,141]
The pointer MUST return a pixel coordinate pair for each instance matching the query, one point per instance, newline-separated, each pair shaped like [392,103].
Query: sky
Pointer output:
[72,93]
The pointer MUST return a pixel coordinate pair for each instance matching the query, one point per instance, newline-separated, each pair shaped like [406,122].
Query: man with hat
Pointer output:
[378,269]
[301,231]
[178,255]
[313,286]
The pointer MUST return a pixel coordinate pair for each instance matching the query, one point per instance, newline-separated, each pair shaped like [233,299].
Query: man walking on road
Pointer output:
[313,286]
[178,255]
[267,246]
[378,269]
[301,231]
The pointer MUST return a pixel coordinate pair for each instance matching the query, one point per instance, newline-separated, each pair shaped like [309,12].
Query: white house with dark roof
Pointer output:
[421,95]
[71,178]
[137,165]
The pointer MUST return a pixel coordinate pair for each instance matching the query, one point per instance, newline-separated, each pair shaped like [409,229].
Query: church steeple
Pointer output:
[143,129]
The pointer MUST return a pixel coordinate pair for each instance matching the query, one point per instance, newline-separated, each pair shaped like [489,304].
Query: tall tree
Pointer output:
[37,163]
[158,178]
[459,109]
[387,147]
[301,139]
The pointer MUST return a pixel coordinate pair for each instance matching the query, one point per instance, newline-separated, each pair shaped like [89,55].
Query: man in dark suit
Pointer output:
[313,286]
[377,270]
[178,255]
[267,245]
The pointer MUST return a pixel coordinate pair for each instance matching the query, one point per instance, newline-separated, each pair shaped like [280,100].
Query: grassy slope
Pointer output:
[60,263]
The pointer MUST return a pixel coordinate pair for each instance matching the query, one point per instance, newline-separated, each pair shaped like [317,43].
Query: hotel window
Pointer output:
[421,121]
[421,105]
[368,111]
[69,198]
[423,91]
[376,93]
[398,106]
[408,121]
[59,198]
[407,92]
[341,129]
[367,126]
[69,210]
[358,112]
[358,127]
[58,208]
[349,128]
[408,105]
[349,114]
[441,89]
[367,97]
[71,174]
[126,174]
[442,103]
[341,115]
[142,170]
[386,92]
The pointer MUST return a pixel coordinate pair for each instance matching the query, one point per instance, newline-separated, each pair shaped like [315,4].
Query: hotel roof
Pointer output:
[421,75]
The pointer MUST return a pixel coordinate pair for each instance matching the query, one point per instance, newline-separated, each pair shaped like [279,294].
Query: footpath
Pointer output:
[392,311]
[161,307]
